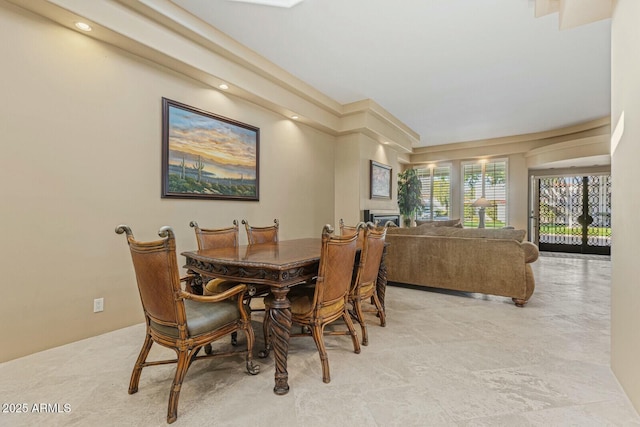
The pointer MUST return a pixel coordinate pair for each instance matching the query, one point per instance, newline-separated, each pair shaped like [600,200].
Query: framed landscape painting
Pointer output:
[380,181]
[205,156]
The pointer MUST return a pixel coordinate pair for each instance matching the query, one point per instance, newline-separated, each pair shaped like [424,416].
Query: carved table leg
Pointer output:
[280,326]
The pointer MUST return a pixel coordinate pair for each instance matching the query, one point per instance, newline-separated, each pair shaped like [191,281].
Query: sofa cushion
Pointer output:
[406,231]
[491,233]
[482,233]
[440,223]
[428,229]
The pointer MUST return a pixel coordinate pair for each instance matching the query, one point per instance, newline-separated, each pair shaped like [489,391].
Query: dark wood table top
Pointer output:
[281,255]
[276,264]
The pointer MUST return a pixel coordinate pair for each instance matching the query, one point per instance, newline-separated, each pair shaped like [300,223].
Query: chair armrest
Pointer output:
[530,252]
[239,289]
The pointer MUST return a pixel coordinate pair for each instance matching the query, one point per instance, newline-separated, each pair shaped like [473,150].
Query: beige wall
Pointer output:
[371,150]
[353,183]
[625,296]
[347,181]
[80,154]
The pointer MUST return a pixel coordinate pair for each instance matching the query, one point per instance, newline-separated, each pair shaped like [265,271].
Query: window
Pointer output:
[436,192]
[489,180]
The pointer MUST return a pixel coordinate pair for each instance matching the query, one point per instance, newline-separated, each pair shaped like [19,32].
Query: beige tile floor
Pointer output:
[444,359]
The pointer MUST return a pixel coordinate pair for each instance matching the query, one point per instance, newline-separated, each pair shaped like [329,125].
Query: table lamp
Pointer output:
[481,204]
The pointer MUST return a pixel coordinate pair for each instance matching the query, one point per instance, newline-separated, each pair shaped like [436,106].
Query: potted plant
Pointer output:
[409,195]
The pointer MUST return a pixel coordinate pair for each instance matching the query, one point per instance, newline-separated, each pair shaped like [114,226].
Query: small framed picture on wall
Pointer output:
[380,181]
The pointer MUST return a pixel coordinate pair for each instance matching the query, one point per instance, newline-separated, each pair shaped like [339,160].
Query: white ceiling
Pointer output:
[452,70]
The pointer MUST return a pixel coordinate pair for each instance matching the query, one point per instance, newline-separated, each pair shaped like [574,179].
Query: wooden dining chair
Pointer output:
[363,287]
[316,307]
[256,235]
[214,238]
[262,234]
[177,319]
[349,229]
[211,238]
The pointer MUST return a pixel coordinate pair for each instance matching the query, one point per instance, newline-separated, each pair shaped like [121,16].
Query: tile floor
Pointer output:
[444,359]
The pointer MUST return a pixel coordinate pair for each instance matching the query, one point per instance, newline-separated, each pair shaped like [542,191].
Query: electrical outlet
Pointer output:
[98,305]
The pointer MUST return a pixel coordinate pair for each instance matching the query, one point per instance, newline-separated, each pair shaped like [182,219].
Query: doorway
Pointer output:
[573,213]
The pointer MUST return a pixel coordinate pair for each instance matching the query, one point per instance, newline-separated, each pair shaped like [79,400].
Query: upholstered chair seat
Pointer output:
[202,318]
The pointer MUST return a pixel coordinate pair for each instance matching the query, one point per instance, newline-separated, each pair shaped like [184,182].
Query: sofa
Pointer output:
[447,256]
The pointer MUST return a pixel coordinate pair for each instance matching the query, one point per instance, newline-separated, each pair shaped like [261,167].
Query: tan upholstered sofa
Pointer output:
[488,261]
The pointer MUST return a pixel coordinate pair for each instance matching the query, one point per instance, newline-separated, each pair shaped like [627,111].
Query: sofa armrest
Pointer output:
[530,252]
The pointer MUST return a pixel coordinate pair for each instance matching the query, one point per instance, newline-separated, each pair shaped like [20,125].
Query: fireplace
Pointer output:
[381,218]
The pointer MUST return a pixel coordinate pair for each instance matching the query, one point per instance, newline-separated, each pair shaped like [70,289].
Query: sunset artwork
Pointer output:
[208,156]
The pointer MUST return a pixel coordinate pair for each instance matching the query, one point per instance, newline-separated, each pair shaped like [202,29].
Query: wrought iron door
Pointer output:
[574,214]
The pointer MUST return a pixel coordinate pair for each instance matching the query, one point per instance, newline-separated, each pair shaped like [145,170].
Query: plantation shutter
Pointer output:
[493,177]
[436,192]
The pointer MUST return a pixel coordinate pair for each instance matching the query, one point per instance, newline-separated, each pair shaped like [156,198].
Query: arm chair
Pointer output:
[350,229]
[363,287]
[180,320]
[316,307]
[210,238]
[256,235]
[262,234]
[213,238]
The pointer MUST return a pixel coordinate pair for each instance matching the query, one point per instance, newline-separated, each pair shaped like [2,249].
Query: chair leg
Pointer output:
[357,305]
[252,368]
[317,333]
[266,323]
[381,313]
[184,360]
[352,331]
[137,368]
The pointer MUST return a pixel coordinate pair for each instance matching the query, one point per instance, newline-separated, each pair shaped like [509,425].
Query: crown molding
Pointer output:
[516,144]
[598,125]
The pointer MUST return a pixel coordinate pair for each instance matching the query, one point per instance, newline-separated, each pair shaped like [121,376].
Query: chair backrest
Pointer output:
[346,229]
[213,238]
[371,254]
[336,267]
[158,277]
[262,234]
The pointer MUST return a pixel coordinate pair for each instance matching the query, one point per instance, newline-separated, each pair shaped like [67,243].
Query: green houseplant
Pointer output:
[409,194]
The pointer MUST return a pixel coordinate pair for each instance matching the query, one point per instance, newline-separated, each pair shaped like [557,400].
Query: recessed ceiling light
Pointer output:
[294,117]
[276,3]
[223,86]
[83,26]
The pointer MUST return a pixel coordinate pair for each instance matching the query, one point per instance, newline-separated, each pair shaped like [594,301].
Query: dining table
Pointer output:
[279,265]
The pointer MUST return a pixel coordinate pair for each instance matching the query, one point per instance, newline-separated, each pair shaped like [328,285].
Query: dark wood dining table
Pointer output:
[279,265]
